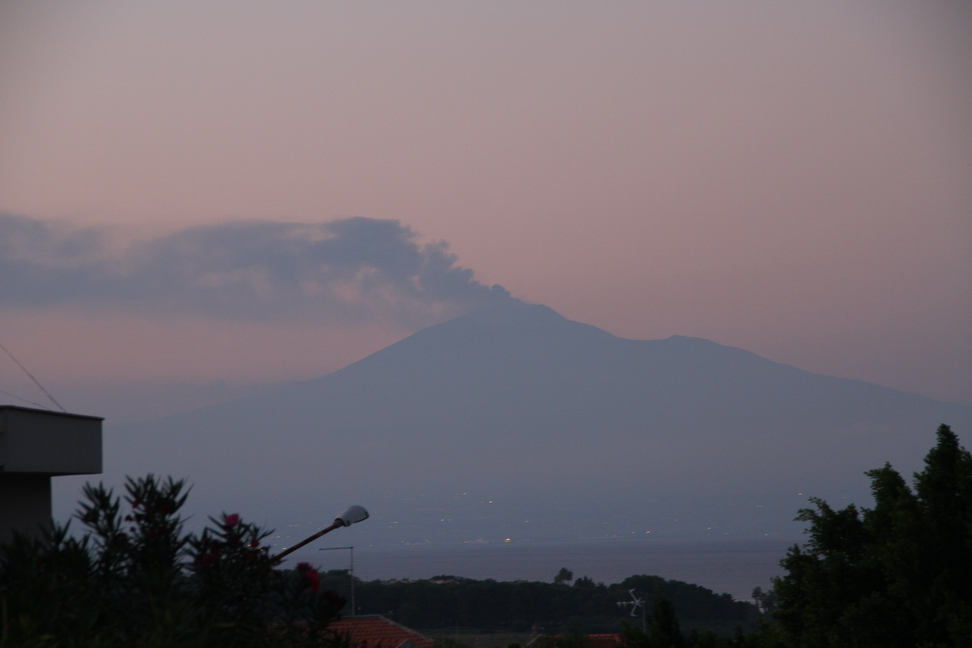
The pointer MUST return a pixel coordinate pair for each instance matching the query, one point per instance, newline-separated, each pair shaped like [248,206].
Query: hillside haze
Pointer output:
[514,422]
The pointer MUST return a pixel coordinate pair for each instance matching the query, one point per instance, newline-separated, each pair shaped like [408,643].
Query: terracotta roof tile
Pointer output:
[605,640]
[373,630]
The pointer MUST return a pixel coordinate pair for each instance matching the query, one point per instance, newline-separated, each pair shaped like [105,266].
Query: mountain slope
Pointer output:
[556,422]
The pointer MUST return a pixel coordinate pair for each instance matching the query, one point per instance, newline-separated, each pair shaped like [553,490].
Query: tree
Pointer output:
[137,579]
[663,628]
[587,581]
[564,576]
[894,575]
[765,601]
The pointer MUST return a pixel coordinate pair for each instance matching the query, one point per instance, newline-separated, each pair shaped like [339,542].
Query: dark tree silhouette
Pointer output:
[894,575]
[136,579]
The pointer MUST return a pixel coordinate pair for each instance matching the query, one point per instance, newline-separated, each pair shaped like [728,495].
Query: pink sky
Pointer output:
[791,178]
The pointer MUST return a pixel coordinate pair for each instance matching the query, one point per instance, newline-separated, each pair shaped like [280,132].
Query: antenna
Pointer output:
[31,376]
[351,571]
[635,603]
[21,398]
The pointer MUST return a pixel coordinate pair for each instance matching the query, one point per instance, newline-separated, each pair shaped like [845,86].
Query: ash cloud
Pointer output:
[345,271]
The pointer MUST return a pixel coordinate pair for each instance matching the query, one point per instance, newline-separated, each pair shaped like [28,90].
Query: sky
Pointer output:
[199,198]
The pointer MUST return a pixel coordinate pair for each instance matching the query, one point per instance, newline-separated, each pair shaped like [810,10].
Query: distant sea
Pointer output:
[733,566]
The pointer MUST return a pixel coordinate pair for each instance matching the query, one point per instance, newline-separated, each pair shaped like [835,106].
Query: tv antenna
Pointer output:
[34,380]
[635,603]
[351,571]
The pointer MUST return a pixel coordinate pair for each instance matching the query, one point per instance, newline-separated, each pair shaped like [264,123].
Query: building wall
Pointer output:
[34,446]
[51,443]
[25,505]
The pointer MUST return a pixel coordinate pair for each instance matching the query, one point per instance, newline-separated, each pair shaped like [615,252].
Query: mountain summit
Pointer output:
[513,421]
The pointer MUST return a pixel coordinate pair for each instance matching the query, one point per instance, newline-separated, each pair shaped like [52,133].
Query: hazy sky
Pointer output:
[791,178]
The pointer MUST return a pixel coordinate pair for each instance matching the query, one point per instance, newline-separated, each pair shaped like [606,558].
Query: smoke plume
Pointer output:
[345,271]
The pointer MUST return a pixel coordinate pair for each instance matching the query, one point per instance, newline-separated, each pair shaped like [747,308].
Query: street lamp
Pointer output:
[350,516]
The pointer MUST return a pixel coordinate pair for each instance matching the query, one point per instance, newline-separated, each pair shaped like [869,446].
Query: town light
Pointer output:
[350,516]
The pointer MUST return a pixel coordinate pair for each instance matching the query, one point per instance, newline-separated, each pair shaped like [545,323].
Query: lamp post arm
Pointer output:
[337,524]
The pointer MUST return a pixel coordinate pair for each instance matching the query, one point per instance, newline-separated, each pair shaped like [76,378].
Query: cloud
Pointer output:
[346,271]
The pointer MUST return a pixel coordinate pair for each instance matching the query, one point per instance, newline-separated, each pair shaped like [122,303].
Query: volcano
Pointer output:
[515,422]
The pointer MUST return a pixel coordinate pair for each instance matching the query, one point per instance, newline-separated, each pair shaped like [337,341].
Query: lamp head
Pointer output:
[351,515]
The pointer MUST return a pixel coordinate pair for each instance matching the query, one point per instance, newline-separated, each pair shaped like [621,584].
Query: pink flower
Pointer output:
[208,559]
[232,520]
[313,578]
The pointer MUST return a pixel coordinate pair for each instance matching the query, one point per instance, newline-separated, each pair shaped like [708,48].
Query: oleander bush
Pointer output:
[137,578]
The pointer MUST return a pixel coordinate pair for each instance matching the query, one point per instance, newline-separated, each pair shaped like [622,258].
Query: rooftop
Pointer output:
[374,630]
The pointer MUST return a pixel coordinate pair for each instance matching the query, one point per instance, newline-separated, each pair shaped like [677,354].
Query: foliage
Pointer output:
[894,575]
[137,579]
[765,601]
[523,606]
[572,638]
[564,576]
[663,628]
